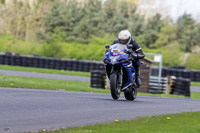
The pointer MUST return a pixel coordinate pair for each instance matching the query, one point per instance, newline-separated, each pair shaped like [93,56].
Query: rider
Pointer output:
[124,37]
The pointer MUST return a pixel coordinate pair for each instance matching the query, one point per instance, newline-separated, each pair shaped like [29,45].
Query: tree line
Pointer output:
[73,21]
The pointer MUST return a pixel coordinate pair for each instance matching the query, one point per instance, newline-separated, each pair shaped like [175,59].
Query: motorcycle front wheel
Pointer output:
[114,88]
[131,95]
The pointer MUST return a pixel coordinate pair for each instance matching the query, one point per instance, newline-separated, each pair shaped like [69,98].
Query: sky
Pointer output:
[179,7]
[174,8]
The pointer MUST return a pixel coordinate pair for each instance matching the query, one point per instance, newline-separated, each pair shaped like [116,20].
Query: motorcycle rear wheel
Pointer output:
[115,90]
[131,95]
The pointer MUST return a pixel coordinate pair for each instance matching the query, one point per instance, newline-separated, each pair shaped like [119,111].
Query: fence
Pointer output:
[156,85]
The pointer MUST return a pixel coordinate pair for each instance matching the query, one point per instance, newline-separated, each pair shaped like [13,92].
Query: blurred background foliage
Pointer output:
[80,30]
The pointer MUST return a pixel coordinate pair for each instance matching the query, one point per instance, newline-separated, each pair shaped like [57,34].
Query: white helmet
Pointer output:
[124,37]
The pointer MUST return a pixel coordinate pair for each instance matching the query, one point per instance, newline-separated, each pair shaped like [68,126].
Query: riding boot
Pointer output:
[138,80]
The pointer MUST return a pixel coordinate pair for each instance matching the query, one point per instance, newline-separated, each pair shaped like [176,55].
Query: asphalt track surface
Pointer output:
[195,88]
[33,109]
[60,77]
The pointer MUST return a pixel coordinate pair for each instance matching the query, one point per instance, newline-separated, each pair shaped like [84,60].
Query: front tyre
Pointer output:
[115,90]
[131,95]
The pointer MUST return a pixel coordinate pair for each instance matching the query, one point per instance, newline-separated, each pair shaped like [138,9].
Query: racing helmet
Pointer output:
[124,37]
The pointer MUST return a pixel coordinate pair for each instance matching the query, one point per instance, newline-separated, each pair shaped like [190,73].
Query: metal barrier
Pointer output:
[156,85]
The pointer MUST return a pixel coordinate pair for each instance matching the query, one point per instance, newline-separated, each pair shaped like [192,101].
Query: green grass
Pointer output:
[50,84]
[195,83]
[195,95]
[171,123]
[42,70]
[66,85]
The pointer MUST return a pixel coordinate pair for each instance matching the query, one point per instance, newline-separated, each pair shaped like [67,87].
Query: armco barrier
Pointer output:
[156,86]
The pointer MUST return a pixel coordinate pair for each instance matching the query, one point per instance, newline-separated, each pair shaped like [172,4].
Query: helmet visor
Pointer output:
[123,41]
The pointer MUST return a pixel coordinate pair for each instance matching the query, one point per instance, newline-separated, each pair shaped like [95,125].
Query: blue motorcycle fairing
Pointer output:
[118,54]
[129,75]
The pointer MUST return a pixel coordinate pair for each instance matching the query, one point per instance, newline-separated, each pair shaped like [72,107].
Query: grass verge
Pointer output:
[171,123]
[195,83]
[43,70]
[66,85]
[50,84]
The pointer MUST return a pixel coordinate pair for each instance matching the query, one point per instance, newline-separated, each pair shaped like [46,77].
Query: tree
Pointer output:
[191,38]
[54,47]
[136,22]
[152,29]
[91,22]
[185,32]
[66,16]
[21,19]
[167,33]
[2,1]
[185,24]
[115,20]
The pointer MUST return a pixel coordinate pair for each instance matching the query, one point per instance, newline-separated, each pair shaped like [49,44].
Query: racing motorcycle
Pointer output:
[120,70]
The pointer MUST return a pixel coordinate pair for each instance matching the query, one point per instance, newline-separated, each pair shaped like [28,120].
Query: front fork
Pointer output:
[119,74]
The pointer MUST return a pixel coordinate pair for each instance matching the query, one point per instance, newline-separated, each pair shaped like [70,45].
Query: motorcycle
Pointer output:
[120,71]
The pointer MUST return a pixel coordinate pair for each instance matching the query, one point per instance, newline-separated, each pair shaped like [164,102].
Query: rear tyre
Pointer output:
[115,90]
[131,95]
